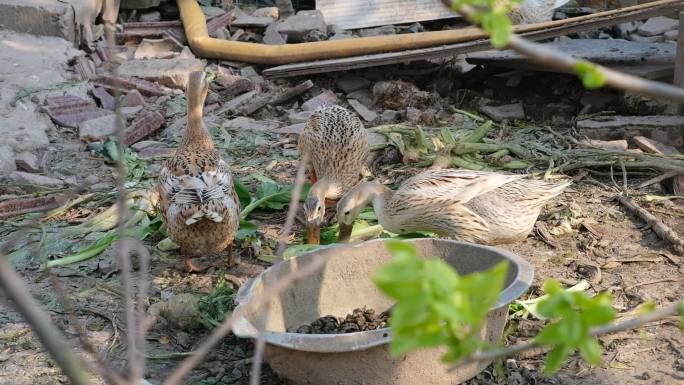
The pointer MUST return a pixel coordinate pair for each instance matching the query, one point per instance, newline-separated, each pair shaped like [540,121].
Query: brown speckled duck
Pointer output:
[199,205]
[336,145]
[474,206]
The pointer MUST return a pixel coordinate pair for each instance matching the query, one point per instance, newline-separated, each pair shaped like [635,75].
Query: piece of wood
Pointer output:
[352,14]
[653,146]
[679,60]
[274,98]
[656,224]
[539,31]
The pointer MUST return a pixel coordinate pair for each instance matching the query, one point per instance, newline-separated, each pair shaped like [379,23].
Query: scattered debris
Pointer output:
[244,20]
[351,83]
[27,161]
[657,26]
[658,227]
[27,178]
[133,98]
[106,100]
[147,123]
[608,145]
[14,207]
[298,26]
[168,72]
[123,84]
[362,110]
[505,112]
[324,99]
[92,130]
[662,128]
[233,84]
[272,36]
[398,94]
[245,123]
[157,49]
[70,111]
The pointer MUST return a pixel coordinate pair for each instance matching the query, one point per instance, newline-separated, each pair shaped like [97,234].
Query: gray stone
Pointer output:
[351,83]
[342,36]
[143,144]
[415,28]
[390,116]
[379,31]
[662,128]
[34,179]
[133,98]
[646,39]
[291,129]
[413,115]
[299,117]
[150,16]
[271,12]
[27,161]
[657,26]
[244,20]
[324,99]
[272,36]
[98,128]
[672,35]
[169,72]
[364,96]
[7,162]
[39,17]
[302,23]
[505,112]
[362,110]
[244,123]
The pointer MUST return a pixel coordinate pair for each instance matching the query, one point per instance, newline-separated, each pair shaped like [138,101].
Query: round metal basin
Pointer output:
[345,283]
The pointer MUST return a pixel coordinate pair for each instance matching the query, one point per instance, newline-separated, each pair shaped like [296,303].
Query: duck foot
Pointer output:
[192,268]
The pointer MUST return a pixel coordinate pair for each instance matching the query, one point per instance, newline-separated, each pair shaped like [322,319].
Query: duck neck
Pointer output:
[376,194]
[196,134]
[326,189]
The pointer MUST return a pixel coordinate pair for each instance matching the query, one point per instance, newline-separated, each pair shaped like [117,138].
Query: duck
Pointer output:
[474,206]
[198,202]
[334,147]
[535,11]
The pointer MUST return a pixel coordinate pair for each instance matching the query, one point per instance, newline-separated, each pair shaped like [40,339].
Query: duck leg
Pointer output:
[312,176]
[233,258]
[191,267]
[313,234]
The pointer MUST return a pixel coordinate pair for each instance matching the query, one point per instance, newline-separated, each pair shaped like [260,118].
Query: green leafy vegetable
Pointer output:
[215,306]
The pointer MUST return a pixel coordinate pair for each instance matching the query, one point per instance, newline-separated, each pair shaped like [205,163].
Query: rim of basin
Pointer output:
[335,343]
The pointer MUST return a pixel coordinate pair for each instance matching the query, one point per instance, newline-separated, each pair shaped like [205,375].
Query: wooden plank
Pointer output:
[350,14]
[538,31]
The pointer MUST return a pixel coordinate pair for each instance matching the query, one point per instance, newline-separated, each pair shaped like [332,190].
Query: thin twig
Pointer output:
[659,178]
[660,228]
[633,323]
[628,288]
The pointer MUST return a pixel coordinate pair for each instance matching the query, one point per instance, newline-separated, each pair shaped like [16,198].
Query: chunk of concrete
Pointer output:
[504,112]
[34,179]
[39,17]
[7,162]
[299,117]
[133,98]
[672,35]
[351,83]
[364,96]
[172,73]
[299,25]
[362,110]
[244,20]
[271,12]
[156,49]
[272,36]
[27,161]
[662,128]
[242,123]
[657,26]
[379,31]
[324,99]
[97,129]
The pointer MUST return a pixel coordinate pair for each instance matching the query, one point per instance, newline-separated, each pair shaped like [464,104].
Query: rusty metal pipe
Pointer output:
[202,45]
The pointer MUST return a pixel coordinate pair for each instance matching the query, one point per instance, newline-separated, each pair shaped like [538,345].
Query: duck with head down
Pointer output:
[473,206]
[334,144]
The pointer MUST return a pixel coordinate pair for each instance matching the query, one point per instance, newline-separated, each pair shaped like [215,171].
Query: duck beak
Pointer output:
[345,232]
[313,234]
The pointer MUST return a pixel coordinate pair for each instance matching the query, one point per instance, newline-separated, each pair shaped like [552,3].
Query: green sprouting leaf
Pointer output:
[591,75]
[435,305]
[498,26]
[555,358]
[532,305]
[590,350]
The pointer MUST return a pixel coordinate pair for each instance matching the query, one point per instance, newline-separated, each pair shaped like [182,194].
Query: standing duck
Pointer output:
[335,146]
[473,206]
[199,205]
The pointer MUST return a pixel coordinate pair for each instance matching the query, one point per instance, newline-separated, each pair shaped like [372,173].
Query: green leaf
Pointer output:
[555,358]
[591,75]
[590,350]
[499,28]
[247,230]
[242,193]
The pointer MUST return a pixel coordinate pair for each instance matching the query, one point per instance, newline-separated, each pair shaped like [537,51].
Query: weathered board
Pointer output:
[349,14]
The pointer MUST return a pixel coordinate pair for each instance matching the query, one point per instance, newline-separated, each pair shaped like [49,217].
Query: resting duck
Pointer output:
[473,206]
[199,205]
[335,144]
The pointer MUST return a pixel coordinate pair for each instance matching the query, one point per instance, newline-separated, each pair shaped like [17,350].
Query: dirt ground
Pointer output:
[593,238]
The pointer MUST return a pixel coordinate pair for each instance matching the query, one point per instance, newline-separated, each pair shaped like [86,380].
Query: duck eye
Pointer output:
[346,212]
